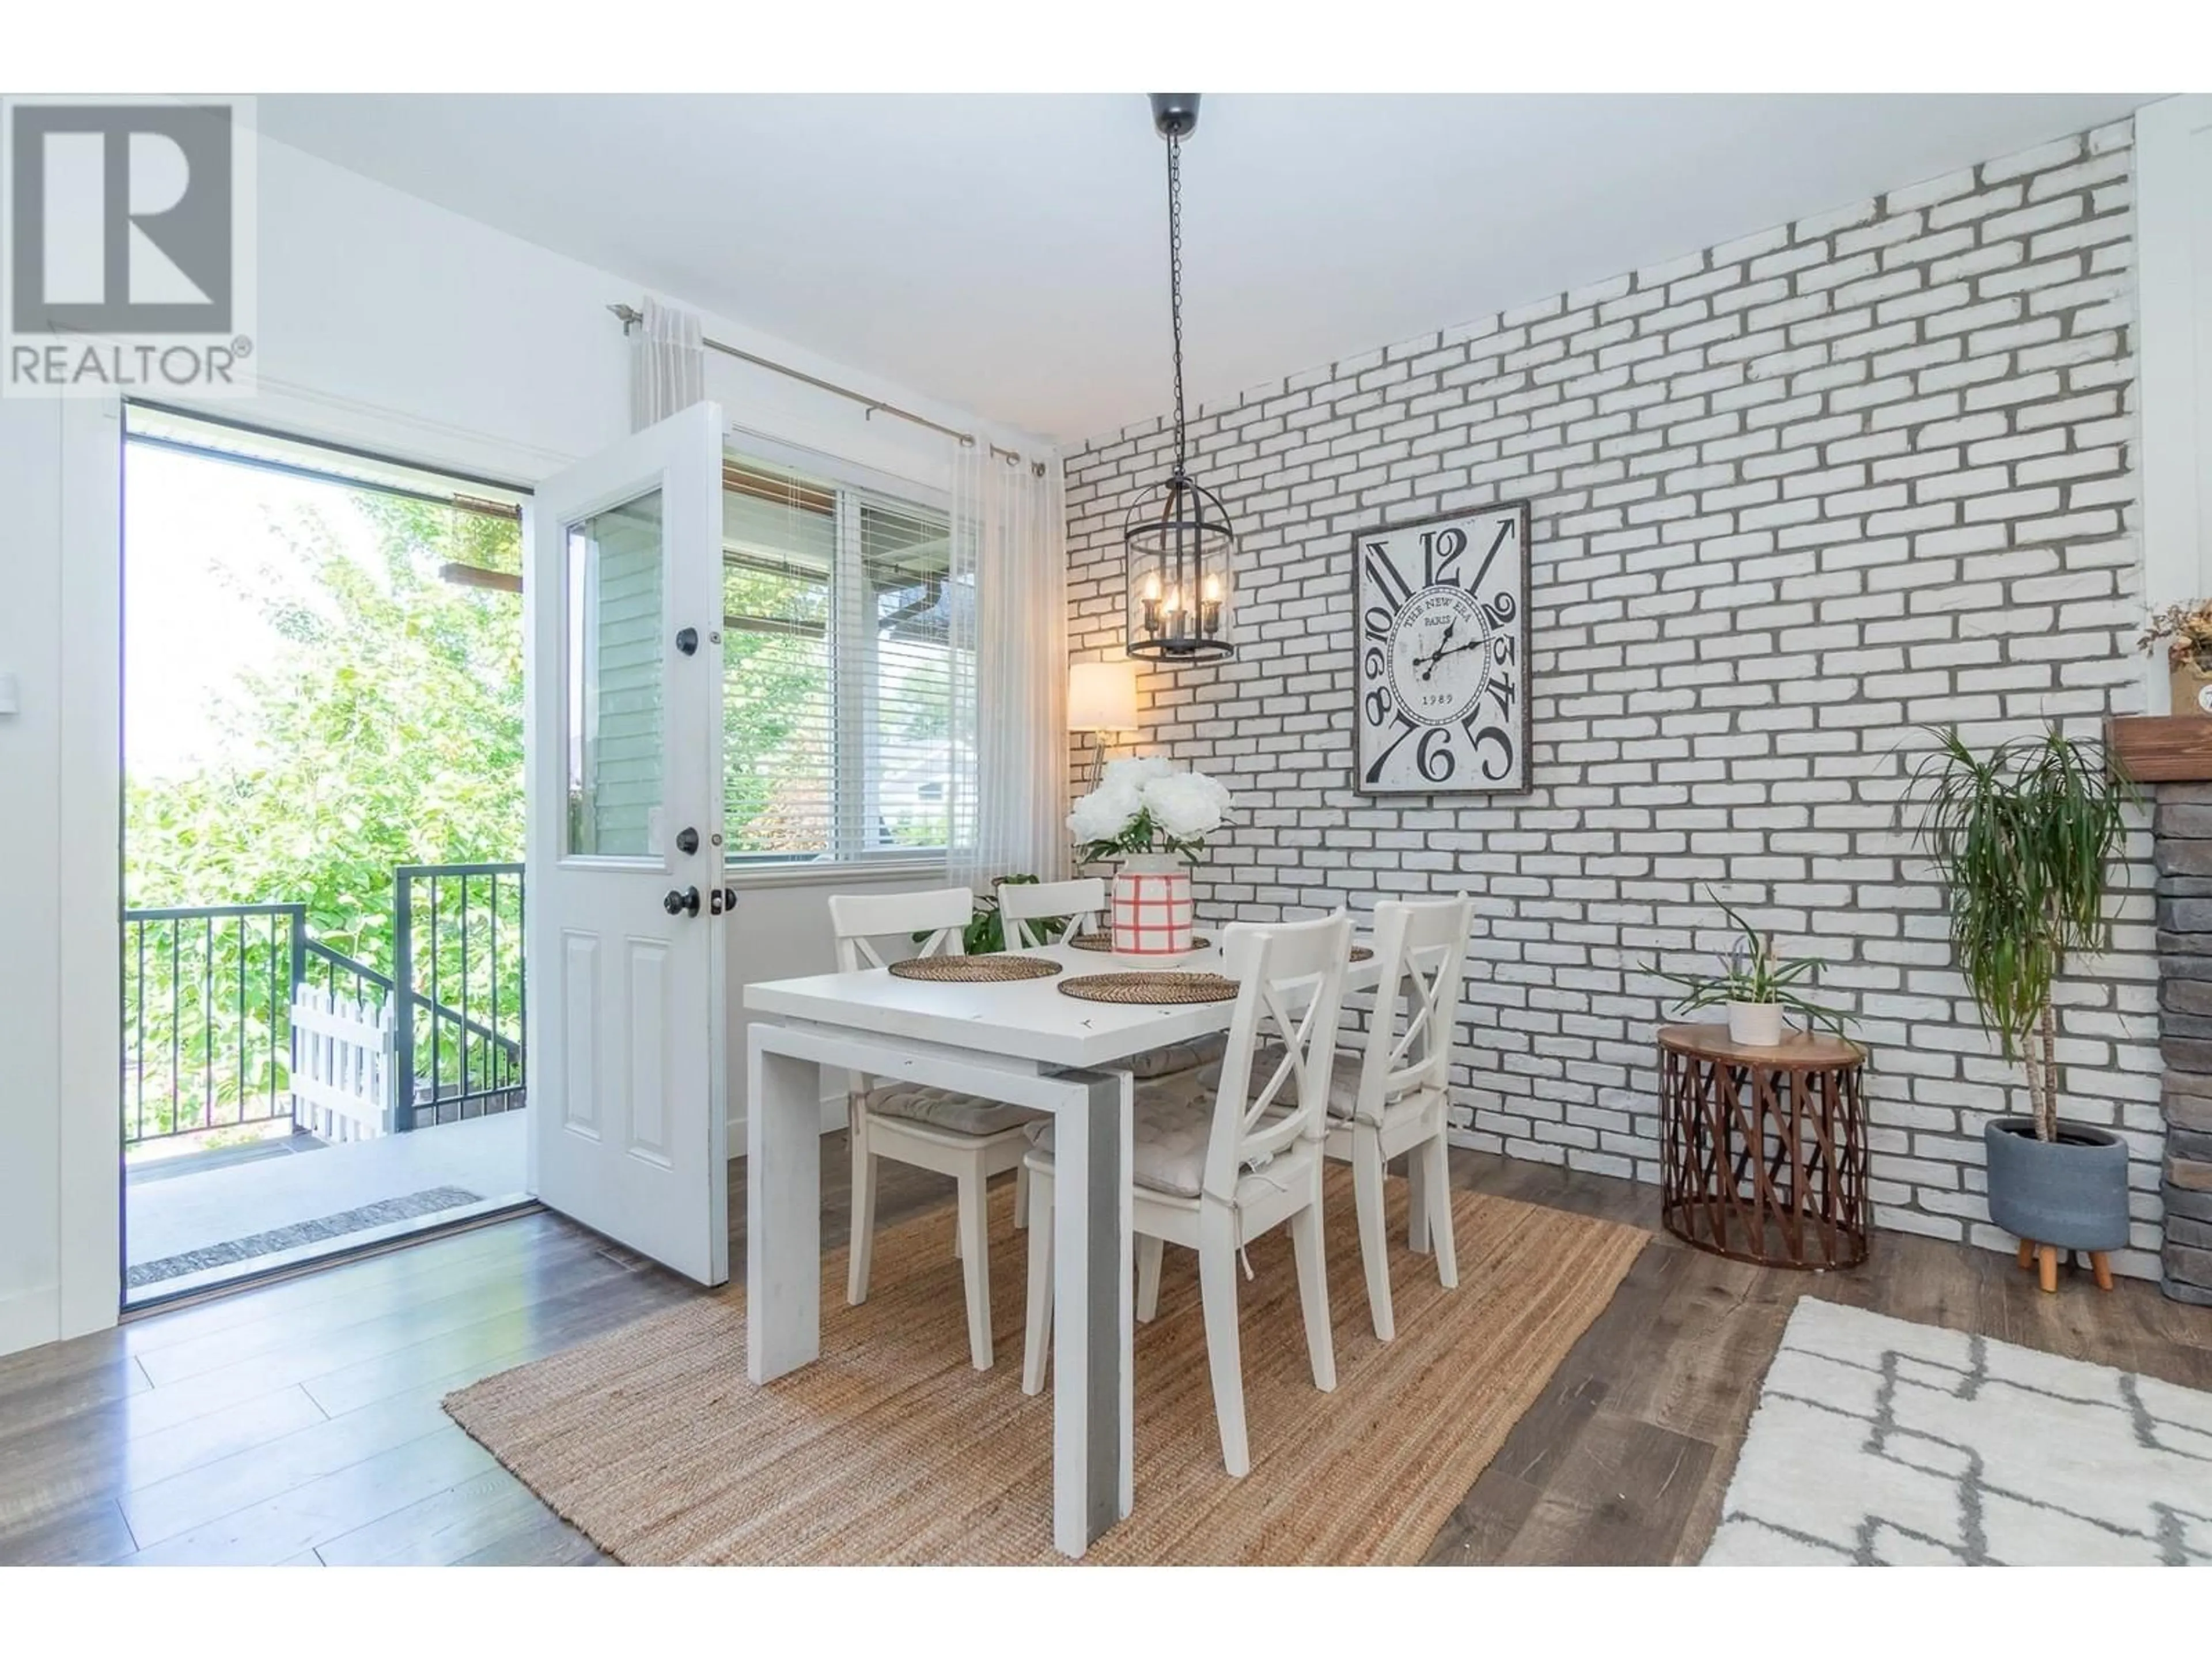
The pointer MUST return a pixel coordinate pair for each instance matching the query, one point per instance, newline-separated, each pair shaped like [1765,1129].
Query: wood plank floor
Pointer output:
[299,1423]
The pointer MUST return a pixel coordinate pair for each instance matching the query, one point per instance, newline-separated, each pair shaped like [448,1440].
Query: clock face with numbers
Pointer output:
[1440,655]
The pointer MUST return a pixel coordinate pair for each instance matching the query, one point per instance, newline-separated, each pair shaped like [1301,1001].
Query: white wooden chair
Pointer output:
[1083,903]
[1389,1098]
[1222,1157]
[954,1135]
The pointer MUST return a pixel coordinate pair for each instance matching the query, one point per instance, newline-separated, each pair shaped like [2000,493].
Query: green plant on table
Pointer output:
[2022,839]
[1753,972]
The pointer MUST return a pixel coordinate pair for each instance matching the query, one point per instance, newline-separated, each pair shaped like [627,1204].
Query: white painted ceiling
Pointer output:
[1008,255]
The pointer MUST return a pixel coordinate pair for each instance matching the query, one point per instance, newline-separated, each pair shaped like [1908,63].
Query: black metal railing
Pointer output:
[207,1016]
[208,989]
[458,948]
[343,975]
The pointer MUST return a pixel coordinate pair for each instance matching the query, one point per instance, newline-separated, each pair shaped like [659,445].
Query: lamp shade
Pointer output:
[1102,696]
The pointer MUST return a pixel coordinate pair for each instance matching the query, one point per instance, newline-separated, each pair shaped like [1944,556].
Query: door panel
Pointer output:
[624,750]
[580,1001]
[650,1042]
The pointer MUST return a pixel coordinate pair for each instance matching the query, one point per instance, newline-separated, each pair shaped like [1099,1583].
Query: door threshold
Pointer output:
[276,1274]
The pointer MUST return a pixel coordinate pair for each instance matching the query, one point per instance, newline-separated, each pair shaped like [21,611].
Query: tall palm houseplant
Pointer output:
[2023,838]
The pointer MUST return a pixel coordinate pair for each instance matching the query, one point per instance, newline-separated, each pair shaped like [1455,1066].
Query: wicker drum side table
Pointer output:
[1762,1152]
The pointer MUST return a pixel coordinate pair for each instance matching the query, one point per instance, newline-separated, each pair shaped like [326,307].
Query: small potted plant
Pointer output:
[1153,819]
[1756,987]
[2023,839]
[2186,631]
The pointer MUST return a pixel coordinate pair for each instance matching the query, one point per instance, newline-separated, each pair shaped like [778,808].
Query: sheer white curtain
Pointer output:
[1010,737]
[667,364]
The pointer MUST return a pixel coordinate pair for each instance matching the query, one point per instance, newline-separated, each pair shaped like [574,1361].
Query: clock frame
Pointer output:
[1406,580]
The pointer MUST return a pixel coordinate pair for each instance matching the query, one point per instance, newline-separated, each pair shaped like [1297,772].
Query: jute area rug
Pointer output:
[1882,1443]
[892,1447]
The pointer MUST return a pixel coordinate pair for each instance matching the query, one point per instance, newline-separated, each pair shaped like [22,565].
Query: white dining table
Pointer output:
[1022,1042]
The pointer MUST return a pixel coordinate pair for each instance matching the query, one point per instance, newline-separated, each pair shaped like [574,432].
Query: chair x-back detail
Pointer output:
[1390,1099]
[859,920]
[1025,906]
[954,1135]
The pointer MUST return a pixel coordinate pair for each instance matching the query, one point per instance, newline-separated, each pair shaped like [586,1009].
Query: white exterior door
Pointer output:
[623,762]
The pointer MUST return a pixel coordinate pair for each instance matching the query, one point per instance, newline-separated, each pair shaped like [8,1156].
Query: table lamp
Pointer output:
[1102,697]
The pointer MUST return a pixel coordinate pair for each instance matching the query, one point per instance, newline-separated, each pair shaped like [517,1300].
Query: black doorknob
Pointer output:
[687,640]
[685,904]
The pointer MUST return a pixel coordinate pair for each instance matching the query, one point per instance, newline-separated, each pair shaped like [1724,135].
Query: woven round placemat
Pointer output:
[975,970]
[1154,987]
[1105,942]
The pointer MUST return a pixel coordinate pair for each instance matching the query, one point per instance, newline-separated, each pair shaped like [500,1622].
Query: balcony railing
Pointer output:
[457,945]
[208,993]
[207,1016]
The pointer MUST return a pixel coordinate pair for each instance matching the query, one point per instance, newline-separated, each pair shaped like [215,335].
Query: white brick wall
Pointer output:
[1792,496]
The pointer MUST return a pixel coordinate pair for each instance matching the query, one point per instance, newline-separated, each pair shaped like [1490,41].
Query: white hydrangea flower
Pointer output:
[1104,812]
[1134,772]
[1186,805]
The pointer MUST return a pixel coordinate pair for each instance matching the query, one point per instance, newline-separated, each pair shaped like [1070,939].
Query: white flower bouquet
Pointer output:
[1148,806]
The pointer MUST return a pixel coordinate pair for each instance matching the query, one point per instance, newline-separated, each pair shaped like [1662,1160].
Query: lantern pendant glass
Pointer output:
[1179,553]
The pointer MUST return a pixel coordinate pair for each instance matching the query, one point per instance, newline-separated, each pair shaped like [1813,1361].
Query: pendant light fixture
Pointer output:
[1178,539]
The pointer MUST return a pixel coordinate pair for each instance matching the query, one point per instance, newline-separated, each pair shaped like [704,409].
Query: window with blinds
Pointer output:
[838,674]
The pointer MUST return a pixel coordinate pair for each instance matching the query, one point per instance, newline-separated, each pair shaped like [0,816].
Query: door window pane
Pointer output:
[615,716]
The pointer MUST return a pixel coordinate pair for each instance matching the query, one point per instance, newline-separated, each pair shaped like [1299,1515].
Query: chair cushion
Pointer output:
[1174,1121]
[1178,1057]
[942,1108]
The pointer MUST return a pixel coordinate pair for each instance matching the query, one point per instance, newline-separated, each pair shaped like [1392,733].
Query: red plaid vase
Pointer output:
[1152,907]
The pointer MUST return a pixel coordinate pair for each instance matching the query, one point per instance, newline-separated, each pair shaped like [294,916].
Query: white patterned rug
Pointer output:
[1882,1443]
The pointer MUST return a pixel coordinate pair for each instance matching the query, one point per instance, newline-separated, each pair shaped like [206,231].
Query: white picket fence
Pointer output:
[345,1067]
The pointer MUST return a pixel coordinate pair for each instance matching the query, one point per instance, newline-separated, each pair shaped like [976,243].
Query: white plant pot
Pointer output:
[1152,910]
[1755,1024]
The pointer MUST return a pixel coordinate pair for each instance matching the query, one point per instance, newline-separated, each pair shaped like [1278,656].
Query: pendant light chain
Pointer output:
[1179,545]
[1175,283]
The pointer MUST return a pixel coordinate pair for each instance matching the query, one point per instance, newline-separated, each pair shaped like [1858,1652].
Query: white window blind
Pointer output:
[838,671]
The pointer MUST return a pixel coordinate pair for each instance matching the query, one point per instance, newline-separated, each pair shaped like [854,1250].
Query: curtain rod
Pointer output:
[631,317]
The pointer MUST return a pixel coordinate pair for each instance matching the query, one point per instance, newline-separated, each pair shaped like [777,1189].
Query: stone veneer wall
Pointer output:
[2185,967]
[1791,497]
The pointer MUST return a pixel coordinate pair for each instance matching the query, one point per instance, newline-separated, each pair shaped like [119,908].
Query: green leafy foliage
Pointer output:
[386,729]
[986,932]
[1753,972]
[1142,834]
[2022,839]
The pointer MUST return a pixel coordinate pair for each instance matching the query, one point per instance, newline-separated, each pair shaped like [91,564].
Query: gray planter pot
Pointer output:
[2072,1192]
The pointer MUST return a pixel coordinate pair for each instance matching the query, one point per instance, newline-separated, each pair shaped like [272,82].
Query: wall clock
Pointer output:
[1441,654]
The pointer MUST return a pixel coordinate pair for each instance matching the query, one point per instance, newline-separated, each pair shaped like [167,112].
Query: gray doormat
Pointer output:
[429,1201]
